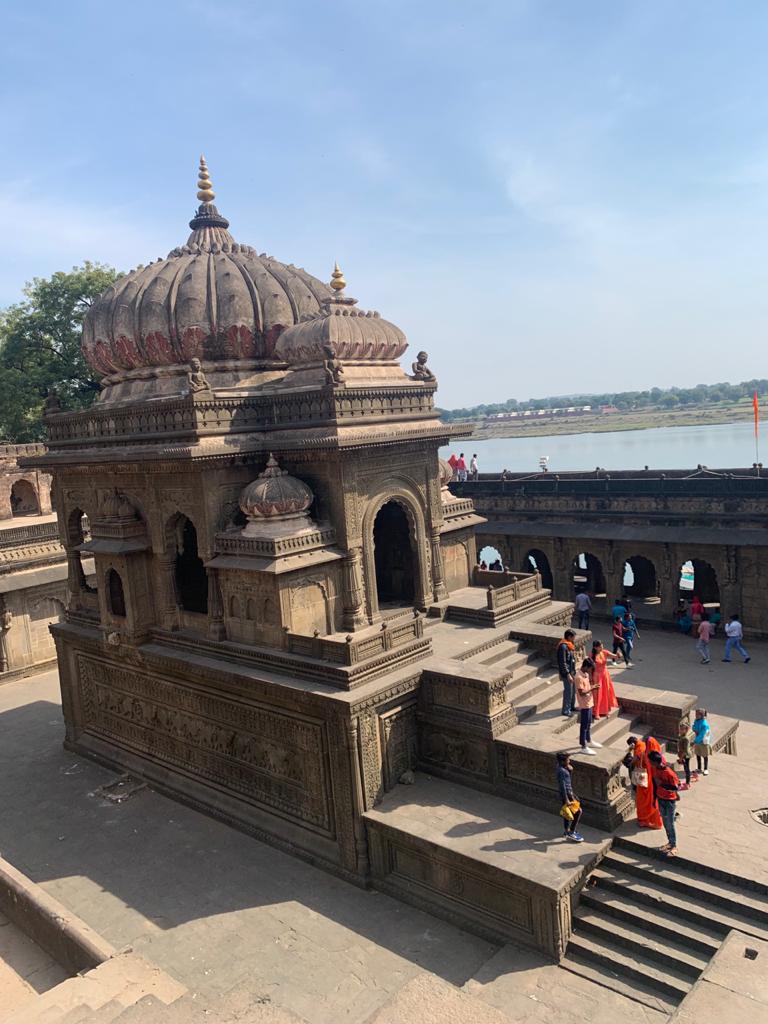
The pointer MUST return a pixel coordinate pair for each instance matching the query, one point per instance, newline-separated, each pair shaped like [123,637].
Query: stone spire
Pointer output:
[209,228]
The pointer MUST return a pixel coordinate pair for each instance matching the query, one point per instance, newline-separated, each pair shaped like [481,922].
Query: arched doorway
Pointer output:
[640,578]
[699,577]
[191,577]
[537,561]
[491,557]
[24,499]
[588,574]
[394,558]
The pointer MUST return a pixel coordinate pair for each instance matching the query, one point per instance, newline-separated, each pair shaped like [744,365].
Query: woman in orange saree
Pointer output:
[605,698]
[647,809]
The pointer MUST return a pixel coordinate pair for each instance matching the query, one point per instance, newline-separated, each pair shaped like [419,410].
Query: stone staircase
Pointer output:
[103,995]
[646,927]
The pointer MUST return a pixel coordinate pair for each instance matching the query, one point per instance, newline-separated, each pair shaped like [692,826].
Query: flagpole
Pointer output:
[756,408]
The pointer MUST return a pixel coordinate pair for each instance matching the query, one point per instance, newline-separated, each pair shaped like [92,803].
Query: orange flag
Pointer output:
[756,408]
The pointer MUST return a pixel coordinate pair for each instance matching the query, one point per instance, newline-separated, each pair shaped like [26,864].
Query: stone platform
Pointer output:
[494,866]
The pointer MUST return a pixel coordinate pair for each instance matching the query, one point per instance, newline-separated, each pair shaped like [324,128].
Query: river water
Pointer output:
[723,446]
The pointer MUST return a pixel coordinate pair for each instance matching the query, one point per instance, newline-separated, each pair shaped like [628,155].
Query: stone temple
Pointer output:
[281,617]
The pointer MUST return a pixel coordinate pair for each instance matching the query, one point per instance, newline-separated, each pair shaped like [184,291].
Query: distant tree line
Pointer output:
[626,401]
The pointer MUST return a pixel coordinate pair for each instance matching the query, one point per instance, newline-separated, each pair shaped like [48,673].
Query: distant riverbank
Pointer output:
[647,419]
[719,446]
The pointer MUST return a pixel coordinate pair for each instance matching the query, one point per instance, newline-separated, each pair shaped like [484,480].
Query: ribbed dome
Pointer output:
[275,493]
[351,334]
[211,298]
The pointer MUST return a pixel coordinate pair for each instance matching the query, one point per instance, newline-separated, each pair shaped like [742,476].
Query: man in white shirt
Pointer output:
[583,607]
[473,473]
[734,634]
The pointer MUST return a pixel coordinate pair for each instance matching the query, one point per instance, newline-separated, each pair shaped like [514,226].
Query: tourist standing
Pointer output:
[667,785]
[702,740]
[453,462]
[734,634]
[631,632]
[571,807]
[473,470]
[566,666]
[704,633]
[684,752]
[645,801]
[585,702]
[697,610]
[618,641]
[605,701]
[461,468]
[583,604]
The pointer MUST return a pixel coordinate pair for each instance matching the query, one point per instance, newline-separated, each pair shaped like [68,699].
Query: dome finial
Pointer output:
[337,279]
[205,189]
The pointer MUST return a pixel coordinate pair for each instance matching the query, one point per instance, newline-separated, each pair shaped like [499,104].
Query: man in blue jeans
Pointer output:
[566,666]
[734,635]
[583,606]
[666,785]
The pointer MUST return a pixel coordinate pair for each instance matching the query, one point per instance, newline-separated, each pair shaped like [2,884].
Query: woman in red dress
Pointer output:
[605,698]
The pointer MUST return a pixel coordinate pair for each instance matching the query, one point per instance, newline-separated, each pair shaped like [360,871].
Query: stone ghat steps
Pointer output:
[101,995]
[648,927]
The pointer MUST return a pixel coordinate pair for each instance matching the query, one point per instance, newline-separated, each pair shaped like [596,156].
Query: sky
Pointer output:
[547,196]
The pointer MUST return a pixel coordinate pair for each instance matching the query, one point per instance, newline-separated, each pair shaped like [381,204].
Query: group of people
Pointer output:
[459,467]
[655,783]
[702,623]
[625,631]
[587,689]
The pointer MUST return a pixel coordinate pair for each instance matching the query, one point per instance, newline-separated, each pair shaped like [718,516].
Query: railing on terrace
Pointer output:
[353,650]
[522,585]
[13,536]
[736,483]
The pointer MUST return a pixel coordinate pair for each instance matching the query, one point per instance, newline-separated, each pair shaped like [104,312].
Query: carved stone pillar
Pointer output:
[6,619]
[354,613]
[75,577]
[439,589]
[168,604]
[216,629]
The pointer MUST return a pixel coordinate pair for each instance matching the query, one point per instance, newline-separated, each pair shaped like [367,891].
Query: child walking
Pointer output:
[702,740]
[570,804]
[684,753]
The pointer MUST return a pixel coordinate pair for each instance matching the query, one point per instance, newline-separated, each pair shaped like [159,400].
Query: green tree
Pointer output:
[40,349]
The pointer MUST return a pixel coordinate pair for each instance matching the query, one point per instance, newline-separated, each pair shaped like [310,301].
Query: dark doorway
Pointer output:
[191,577]
[537,561]
[640,577]
[24,499]
[394,556]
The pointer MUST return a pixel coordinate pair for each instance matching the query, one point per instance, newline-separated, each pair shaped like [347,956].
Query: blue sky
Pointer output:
[547,196]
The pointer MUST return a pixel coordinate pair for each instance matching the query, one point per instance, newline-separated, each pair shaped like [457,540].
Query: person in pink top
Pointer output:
[704,635]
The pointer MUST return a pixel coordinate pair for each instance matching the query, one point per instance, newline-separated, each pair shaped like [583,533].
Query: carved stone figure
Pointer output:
[334,371]
[52,402]
[196,378]
[420,369]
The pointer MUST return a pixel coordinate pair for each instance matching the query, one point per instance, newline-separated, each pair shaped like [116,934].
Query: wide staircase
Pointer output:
[647,927]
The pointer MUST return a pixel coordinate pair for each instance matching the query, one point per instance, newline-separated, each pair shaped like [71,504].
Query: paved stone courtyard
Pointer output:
[242,924]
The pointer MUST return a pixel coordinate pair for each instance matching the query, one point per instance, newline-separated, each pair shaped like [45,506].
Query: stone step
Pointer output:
[506,649]
[611,730]
[673,876]
[546,698]
[703,940]
[147,1010]
[520,690]
[634,967]
[669,952]
[606,977]
[646,891]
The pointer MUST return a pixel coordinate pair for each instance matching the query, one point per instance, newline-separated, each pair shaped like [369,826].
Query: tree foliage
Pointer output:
[656,398]
[40,349]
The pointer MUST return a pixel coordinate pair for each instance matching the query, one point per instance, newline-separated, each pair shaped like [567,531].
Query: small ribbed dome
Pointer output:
[210,299]
[275,493]
[349,334]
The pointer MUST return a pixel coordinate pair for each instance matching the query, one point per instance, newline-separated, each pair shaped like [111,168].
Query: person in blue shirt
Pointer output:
[702,740]
[631,632]
[563,773]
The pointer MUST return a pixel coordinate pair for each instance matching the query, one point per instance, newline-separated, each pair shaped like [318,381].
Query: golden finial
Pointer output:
[337,279]
[205,189]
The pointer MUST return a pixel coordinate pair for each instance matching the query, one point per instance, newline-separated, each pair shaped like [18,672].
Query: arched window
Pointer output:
[115,594]
[537,561]
[191,577]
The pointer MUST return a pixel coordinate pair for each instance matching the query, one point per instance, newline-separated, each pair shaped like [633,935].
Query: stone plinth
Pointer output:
[494,867]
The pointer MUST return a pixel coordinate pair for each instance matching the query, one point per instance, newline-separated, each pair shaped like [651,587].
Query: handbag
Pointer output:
[639,777]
